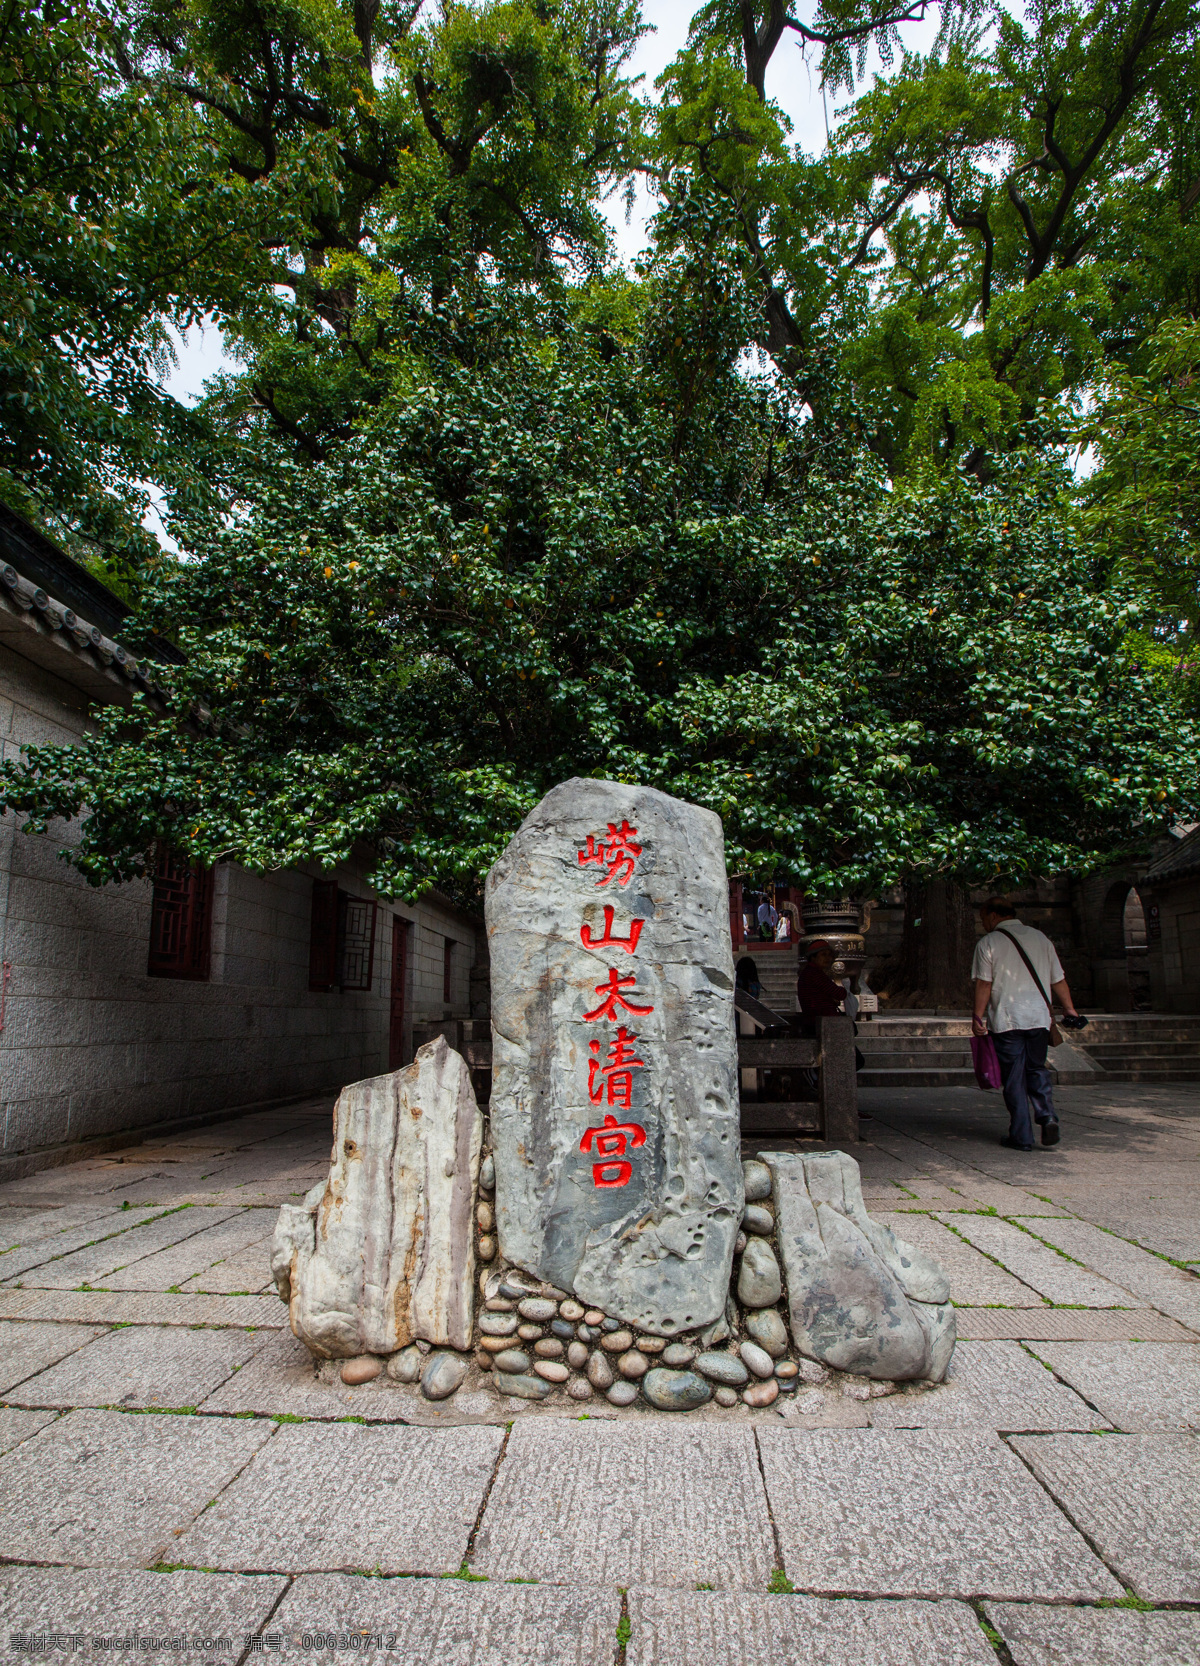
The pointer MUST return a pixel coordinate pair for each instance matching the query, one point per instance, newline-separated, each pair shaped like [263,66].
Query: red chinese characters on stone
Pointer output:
[613,998]
[616,852]
[616,1074]
[609,1143]
[608,941]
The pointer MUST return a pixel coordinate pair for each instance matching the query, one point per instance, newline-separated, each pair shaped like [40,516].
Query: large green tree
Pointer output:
[498,513]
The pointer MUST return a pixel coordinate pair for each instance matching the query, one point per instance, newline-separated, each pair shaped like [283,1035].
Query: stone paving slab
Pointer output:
[974,1280]
[115,1489]
[249,1271]
[1137,1497]
[26,1349]
[720,1628]
[142,1366]
[1043,1269]
[1137,1385]
[44,1247]
[283,1378]
[16,1426]
[153,1606]
[183,1261]
[449,1622]
[994,1384]
[1156,1281]
[1065,1324]
[348,1497]
[921,1512]
[24,1224]
[92,1265]
[654,1502]
[1095,1636]
[138,1307]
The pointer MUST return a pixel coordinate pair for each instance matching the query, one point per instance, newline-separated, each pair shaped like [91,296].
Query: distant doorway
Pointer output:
[1137,948]
[399,981]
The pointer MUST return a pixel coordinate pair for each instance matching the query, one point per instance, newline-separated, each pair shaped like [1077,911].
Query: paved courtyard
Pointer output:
[175,1467]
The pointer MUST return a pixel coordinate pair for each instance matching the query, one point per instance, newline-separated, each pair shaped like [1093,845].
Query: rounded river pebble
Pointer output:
[560,1327]
[759,1283]
[577,1355]
[600,1372]
[622,1394]
[761,1394]
[487,1173]
[512,1360]
[494,1344]
[651,1344]
[678,1353]
[579,1388]
[758,1359]
[530,1333]
[499,1304]
[726,1396]
[548,1348]
[757,1219]
[482,1360]
[537,1309]
[767,1329]
[786,1369]
[606,1324]
[442,1375]
[675,1390]
[633,1365]
[404,1367]
[593,1316]
[739,1243]
[497,1324]
[616,1341]
[722,1368]
[486,1216]
[571,1310]
[364,1369]
[553,1370]
[485,1249]
[757,1178]
[526,1388]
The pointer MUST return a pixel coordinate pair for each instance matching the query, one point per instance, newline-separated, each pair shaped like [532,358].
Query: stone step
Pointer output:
[1140,1049]
[916,1078]
[957,1058]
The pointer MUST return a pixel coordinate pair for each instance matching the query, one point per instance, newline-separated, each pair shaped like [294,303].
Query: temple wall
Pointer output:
[92,1045]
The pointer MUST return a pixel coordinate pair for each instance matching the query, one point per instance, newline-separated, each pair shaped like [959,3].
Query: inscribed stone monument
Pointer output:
[614,1111]
[383,1252]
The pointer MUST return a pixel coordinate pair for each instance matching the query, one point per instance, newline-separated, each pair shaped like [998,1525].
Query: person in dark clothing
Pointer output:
[746,977]
[820,996]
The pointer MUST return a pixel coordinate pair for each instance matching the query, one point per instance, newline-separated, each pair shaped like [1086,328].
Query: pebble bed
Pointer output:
[534,1342]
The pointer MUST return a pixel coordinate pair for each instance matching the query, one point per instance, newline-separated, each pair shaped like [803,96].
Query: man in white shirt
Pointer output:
[1009,1003]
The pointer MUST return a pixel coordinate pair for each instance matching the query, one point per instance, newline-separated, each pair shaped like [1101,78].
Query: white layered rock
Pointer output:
[614,1109]
[383,1252]
[860,1299]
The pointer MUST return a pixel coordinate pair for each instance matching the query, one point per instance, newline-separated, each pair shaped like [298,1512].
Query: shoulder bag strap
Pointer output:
[1029,968]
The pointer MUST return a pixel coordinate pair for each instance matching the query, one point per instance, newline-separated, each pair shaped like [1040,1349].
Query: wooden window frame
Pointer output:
[180,919]
[341,943]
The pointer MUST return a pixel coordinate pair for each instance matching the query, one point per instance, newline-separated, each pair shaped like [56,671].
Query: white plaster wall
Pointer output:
[92,1045]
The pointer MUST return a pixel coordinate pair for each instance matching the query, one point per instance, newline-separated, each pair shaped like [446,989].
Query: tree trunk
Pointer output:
[939,940]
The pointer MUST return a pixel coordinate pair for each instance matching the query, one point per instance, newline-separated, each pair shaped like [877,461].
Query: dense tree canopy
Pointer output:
[782,522]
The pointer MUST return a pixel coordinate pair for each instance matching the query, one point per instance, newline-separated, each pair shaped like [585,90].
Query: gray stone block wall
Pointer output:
[91,1045]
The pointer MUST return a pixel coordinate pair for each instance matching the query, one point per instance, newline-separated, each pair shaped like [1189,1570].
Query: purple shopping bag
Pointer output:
[987,1065]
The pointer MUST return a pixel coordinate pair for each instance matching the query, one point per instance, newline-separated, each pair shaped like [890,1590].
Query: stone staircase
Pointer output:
[778,969]
[913,1049]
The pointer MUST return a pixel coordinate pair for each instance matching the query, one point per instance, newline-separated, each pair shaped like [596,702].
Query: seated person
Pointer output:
[819,995]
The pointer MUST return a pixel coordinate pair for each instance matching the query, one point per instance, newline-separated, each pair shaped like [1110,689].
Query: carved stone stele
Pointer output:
[383,1252]
[614,1110]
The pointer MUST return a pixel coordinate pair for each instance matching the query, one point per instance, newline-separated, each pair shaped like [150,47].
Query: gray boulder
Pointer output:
[860,1299]
[614,1110]
[383,1251]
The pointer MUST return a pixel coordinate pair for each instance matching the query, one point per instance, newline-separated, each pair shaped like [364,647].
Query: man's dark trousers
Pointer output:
[1027,1081]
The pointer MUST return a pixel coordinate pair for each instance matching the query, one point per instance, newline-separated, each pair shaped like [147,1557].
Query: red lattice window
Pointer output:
[180,918]
[341,945]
